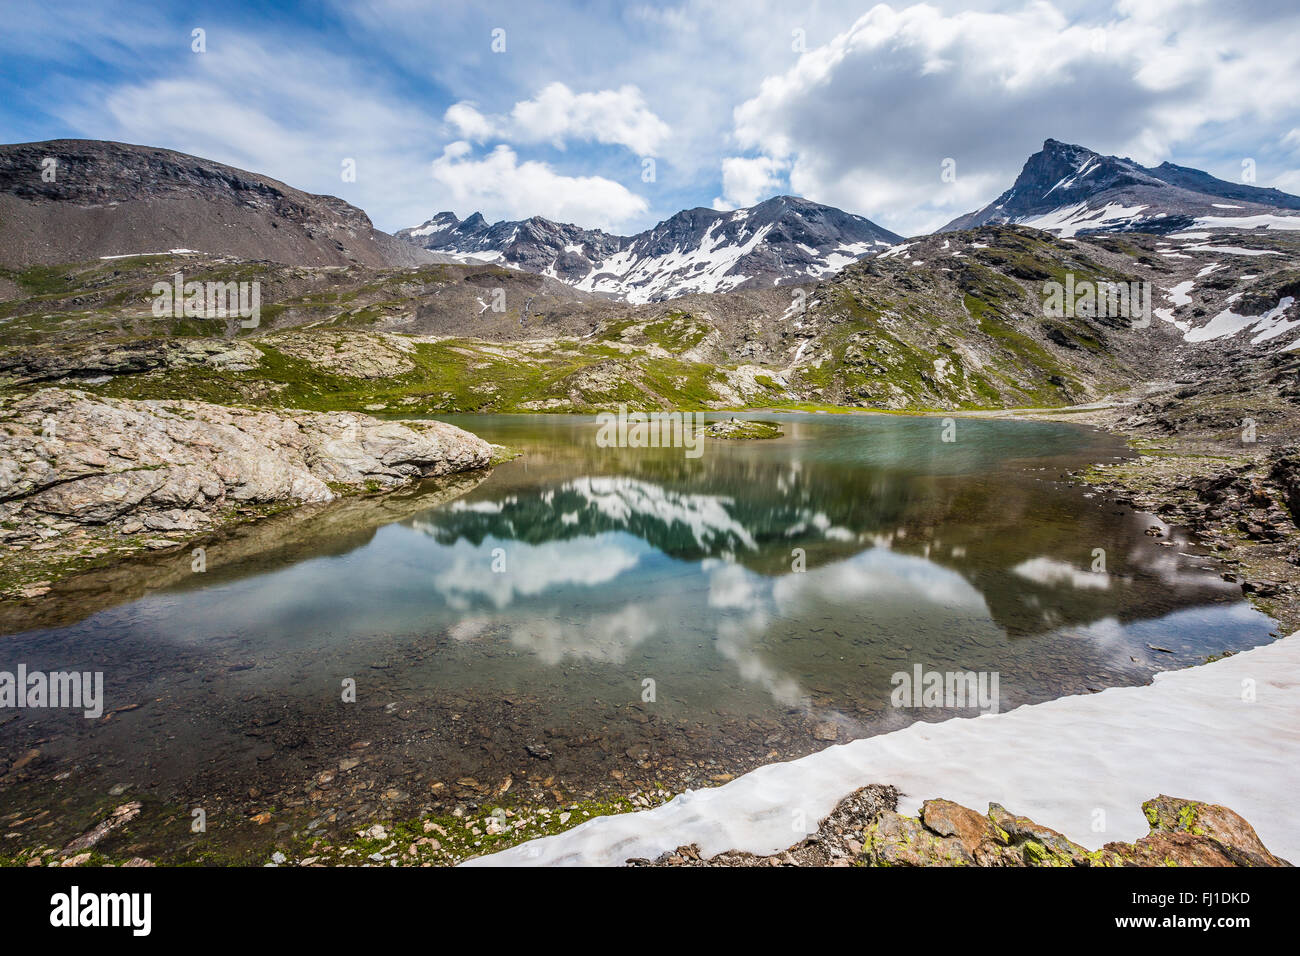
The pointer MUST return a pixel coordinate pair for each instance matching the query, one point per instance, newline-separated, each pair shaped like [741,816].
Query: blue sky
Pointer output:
[734,101]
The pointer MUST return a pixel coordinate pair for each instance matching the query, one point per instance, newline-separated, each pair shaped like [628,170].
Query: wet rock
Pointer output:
[826,730]
[119,817]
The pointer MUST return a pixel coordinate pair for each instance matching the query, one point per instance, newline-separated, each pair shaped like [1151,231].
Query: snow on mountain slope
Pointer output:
[1212,288]
[785,239]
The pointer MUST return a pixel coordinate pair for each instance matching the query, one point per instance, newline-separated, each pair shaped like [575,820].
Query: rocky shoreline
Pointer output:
[1239,508]
[1235,490]
[865,830]
[88,480]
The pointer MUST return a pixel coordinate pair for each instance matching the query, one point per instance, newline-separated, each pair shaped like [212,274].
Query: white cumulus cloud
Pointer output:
[502,187]
[557,115]
[746,181]
[867,119]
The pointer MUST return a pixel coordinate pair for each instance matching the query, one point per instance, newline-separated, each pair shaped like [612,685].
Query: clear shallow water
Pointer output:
[616,567]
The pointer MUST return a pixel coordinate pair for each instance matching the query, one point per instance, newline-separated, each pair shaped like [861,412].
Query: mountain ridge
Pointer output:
[100,199]
[782,239]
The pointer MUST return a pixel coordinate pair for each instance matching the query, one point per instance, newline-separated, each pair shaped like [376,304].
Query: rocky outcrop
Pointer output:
[1284,470]
[41,365]
[865,829]
[71,459]
[1183,833]
[371,355]
[274,541]
[739,429]
[837,842]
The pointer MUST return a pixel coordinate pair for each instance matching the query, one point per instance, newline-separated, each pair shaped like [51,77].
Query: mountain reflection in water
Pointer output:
[766,591]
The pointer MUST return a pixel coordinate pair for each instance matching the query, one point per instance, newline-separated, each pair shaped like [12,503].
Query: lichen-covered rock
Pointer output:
[1183,833]
[1168,849]
[975,832]
[1032,843]
[1235,837]
[896,840]
[738,429]
[172,466]
[352,354]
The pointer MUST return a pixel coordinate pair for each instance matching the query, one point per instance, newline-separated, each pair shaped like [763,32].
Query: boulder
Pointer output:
[179,465]
[1183,833]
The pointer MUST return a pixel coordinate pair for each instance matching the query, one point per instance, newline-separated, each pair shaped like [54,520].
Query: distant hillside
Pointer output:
[113,199]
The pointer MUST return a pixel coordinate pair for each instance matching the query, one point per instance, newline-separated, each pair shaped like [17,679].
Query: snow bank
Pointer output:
[1227,732]
[1267,221]
[1068,220]
[1269,325]
[169,252]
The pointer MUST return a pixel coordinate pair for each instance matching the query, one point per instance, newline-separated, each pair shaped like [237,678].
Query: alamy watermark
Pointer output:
[946,689]
[1115,300]
[209,300]
[626,429]
[133,911]
[79,690]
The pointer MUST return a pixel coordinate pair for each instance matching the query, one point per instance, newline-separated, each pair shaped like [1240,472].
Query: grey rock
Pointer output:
[173,466]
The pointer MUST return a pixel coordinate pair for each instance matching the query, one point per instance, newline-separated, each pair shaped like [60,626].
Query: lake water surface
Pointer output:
[588,620]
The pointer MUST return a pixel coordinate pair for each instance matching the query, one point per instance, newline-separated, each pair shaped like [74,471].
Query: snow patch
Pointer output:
[1189,733]
[1227,322]
[1267,221]
[1068,220]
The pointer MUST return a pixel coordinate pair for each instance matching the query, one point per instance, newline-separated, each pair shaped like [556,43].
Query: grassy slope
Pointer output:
[885,335]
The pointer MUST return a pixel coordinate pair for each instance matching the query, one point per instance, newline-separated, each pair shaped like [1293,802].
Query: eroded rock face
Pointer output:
[177,466]
[46,365]
[354,354]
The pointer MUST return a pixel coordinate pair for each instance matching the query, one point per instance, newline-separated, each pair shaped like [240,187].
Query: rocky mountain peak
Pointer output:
[782,239]
[1070,189]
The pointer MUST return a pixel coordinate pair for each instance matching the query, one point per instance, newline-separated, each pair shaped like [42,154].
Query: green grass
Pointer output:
[458,375]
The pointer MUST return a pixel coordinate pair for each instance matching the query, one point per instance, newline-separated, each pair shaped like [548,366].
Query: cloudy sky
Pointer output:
[616,115]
